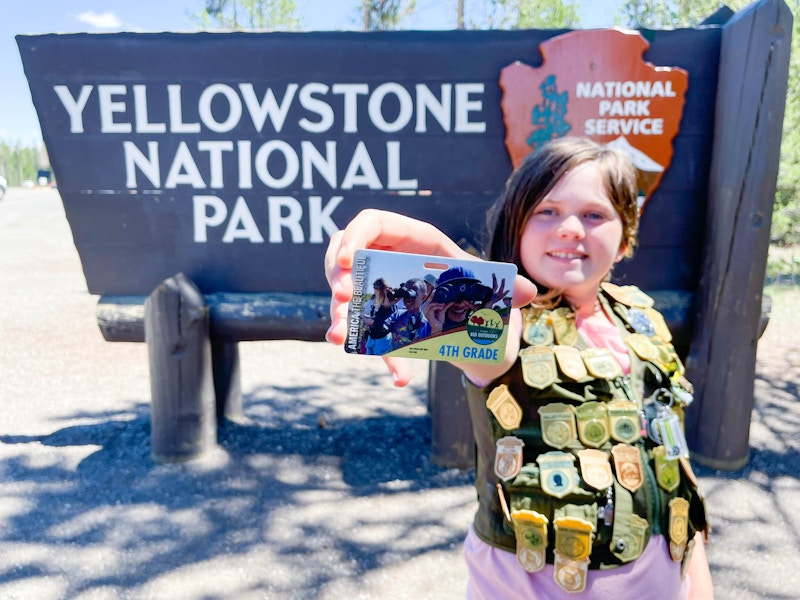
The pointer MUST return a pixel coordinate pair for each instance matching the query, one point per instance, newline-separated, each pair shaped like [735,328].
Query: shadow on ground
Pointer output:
[291,493]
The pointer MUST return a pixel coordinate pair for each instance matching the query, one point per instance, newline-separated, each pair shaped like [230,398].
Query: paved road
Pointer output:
[284,508]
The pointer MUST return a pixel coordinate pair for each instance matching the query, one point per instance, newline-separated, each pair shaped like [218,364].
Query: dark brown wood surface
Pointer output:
[750,106]
[176,325]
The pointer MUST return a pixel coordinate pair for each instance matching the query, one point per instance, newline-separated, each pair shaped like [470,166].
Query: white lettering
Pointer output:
[291,221]
[215,150]
[375,107]
[268,107]
[351,91]
[319,219]
[427,102]
[74,107]
[148,164]
[202,220]
[108,107]
[184,170]
[290,159]
[647,126]
[393,167]
[362,162]
[176,124]
[242,226]
[325,166]
[245,171]
[143,124]
[316,106]
[234,108]
[464,106]
[624,89]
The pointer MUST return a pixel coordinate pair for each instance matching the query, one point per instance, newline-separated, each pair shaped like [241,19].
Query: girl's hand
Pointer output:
[499,291]
[435,313]
[383,230]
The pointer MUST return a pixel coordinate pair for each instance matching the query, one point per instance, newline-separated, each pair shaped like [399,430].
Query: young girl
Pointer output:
[584,488]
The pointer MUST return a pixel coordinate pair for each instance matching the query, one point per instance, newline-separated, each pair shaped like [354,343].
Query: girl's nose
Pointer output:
[571,228]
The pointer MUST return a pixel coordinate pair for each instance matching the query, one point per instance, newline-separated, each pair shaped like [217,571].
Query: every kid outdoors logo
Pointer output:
[596,84]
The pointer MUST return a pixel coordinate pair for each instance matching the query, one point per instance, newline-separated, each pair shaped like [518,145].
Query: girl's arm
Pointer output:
[383,230]
[701,587]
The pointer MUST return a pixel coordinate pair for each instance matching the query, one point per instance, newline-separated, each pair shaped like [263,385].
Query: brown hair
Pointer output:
[381,290]
[537,175]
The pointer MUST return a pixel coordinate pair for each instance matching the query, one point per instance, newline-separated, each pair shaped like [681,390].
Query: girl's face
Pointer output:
[574,236]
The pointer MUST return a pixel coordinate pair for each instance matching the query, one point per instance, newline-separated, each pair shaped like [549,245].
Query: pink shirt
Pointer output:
[495,573]
[601,333]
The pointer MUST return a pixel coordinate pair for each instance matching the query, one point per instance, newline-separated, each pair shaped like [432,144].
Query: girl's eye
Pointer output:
[595,216]
[546,212]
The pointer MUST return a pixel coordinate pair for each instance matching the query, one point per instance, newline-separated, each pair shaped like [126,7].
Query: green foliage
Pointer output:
[786,213]
[249,14]
[661,14]
[18,163]
[386,15]
[523,14]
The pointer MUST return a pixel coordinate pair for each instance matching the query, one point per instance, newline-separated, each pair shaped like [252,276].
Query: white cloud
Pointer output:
[106,20]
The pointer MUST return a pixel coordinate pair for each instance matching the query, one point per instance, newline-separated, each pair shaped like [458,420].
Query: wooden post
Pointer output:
[227,380]
[176,326]
[751,93]
[452,440]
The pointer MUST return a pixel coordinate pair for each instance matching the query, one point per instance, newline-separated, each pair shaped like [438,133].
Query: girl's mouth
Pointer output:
[566,254]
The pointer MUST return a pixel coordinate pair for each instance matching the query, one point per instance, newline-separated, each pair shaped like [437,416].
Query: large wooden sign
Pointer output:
[234,157]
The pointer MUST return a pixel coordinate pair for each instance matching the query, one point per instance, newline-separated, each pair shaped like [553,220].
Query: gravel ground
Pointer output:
[284,508]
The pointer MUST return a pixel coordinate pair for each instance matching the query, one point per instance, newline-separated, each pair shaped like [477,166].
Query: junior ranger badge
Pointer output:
[640,322]
[536,332]
[558,424]
[570,575]
[593,426]
[508,457]
[504,407]
[538,366]
[595,468]
[667,469]
[570,362]
[628,466]
[678,527]
[642,346]
[623,419]
[563,322]
[558,475]
[601,364]
[530,530]
[573,537]
[629,295]
[631,546]
[659,324]
[687,557]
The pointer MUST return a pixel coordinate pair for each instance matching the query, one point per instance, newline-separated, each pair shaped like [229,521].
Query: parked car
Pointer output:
[3,186]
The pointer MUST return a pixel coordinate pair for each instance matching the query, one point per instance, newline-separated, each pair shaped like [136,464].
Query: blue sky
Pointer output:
[18,122]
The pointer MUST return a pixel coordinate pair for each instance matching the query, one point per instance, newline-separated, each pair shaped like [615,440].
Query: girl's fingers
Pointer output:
[400,370]
[383,230]
[524,292]
[337,332]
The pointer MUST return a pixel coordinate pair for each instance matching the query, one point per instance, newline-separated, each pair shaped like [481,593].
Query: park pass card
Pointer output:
[429,307]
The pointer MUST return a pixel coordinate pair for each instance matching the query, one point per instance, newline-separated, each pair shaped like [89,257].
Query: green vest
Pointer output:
[576,462]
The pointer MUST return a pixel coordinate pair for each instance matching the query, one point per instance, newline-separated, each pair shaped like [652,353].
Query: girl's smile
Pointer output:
[573,237]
